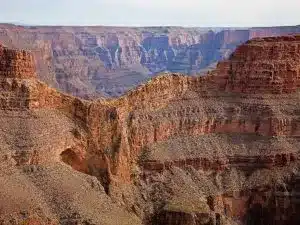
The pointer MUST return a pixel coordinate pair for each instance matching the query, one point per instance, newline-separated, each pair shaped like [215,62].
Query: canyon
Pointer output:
[97,61]
[180,150]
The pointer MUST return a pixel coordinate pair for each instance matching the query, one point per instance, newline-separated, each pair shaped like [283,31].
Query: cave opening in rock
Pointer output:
[91,167]
[71,158]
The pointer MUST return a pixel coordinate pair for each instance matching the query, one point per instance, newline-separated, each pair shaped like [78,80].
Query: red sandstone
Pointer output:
[236,128]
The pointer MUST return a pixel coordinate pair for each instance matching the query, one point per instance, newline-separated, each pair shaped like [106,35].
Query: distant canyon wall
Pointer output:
[208,150]
[107,61]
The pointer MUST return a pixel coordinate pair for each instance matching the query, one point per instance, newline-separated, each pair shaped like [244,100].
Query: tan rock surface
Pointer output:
[107,61]
[176,150]
[37,126]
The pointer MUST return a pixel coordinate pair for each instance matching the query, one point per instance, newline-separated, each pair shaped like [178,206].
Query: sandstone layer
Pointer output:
[213,150]
[37,125]
[107,61]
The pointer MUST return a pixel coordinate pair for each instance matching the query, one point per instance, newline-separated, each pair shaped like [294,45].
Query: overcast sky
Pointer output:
[204,13]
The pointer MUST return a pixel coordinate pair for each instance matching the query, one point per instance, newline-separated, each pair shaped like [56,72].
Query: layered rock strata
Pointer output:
[16,64]
[219,149]
[275,71]
[108,61]
[235,129]
[41,130]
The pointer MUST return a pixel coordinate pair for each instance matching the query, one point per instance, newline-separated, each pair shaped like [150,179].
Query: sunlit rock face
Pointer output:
[219,149]
[43,146]
[208,150]
[107,61]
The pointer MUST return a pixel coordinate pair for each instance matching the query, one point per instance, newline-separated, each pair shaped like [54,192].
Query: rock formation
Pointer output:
[108,61]
[16,64]
[209,150]
[275,71]
[39,127]
[213,150]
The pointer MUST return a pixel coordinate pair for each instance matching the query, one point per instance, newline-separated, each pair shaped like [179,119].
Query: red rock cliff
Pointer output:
[274,70]
[42,133]
[16,64]
[240,121]
[97,61]
[210,149]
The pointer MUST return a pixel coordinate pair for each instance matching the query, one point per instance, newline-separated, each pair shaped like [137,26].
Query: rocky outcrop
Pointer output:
[275,70]
[16,64]
[107,61]
[231,129]
[42,133]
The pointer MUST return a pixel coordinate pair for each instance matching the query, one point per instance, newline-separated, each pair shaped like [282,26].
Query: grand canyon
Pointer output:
[99,61]
[216,149]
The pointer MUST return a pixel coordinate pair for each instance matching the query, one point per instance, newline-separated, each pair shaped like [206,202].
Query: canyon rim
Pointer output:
[98,61]
[188,150]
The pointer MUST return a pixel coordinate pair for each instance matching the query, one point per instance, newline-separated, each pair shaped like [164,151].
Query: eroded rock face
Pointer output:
[42,133]
[230,137]
[100,61]
[16,64]
[274,70]
[220,149]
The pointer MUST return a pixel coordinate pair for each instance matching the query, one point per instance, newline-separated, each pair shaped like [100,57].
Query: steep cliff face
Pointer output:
[275,70]
[42,131]
[16,64]
[228,140]
[218,149]
[107,61]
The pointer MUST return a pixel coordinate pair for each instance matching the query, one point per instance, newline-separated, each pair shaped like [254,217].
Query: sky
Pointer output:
[193,13]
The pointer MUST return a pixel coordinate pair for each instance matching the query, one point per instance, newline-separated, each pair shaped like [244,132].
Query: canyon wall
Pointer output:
[228,140]
[207,150]
[41,131]
[107,61]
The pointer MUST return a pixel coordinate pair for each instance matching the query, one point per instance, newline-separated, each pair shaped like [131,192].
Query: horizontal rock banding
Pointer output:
[241,162]
[96,61]
[247,127]
[16,64]
[274,70]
